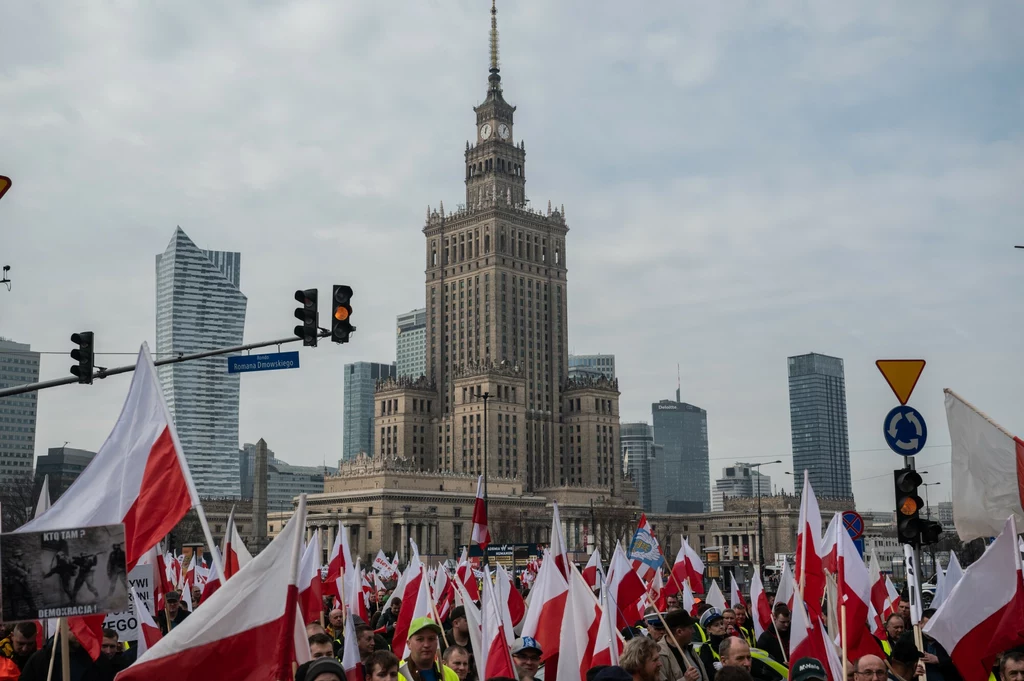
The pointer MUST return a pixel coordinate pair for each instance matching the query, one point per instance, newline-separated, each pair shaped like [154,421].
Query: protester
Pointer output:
[457,657]
[683,662]
[459,632]
[381,666]
[729,615]
[672,602]
[742,628]
[713,624]
[421,664]
[894,627]
[325,669]
[870,668]
[526,654]
[733,674]
[655,628]
[336,623]
[734,652]
[19,645]
[903,610]
[321,645]
[314,628]
[1011,667]
[611,673]
[905,659]
[81,665]
[365,641]
[173,610]
[592,673]
[807,669]
[937,664]
[768,641]
[108,646]
[387,620]
[642,658]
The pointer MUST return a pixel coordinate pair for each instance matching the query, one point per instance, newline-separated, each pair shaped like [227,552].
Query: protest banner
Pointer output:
[126,622]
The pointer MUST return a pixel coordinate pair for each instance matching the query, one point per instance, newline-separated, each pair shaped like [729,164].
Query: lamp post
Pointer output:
[485,397]
[760,522]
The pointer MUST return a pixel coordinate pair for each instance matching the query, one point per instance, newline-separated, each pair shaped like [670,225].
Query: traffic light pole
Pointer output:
[916,596]
[33,387]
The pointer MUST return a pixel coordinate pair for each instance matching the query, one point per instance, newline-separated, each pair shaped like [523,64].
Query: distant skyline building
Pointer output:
[63,465]
[18,366]
[247,467]
[817,411]
[682,429]
[284,480]
[411,344]
[200,307]
[739,480]
[641,464]
[360,382]
[592,365]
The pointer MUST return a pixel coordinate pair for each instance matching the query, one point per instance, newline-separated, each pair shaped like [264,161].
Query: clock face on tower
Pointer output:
[485,131]
[503,131]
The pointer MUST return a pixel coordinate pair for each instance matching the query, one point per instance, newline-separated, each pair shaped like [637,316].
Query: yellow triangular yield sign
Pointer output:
[901,375]
[5,184]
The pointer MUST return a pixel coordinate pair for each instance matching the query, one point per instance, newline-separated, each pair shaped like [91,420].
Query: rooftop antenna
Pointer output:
[678,383]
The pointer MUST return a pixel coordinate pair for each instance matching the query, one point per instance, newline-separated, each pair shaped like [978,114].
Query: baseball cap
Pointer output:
[710,616]
[905,649]
[421,623]
[458,613]
[172,597]
[807,669]
[613,674]
[525,643]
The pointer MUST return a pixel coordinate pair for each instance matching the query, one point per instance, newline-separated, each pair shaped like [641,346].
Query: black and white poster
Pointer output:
[63,573]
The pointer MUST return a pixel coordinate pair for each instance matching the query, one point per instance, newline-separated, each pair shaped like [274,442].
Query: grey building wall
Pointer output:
[18,365]
[682,430]
[592,365]
[360,381]
[739,480]
[200,307]
[63,465]
[411,344]
[817,412]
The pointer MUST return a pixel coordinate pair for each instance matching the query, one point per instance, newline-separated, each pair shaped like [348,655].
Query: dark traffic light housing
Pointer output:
[309,330]
[341,324]
[911,528]
[84,355]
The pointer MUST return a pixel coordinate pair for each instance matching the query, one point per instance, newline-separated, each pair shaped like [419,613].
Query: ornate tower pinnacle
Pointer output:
[494,78]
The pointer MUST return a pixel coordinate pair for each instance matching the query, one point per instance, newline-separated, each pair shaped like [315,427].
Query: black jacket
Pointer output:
[769,643]
[83,668]
[161,619]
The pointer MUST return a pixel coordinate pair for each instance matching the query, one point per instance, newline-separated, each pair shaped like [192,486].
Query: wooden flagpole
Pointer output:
[53,654]
[668,631]
[842,628]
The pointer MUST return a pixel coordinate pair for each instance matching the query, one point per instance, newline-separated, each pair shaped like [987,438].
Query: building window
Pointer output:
[369,534]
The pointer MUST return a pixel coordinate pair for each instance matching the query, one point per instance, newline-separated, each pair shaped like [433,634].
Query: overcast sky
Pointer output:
[743,181]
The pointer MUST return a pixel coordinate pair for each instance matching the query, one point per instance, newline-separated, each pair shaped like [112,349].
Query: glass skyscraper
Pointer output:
[682,429]
[360,380]
[199,307]
[817,413]
[641,463]
[18,366]
[411,344]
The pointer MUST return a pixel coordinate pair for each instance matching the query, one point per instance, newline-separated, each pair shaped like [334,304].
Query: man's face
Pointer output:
[782,622]
[739,655]
[870,668]
[423,648]
[459,662]
[197,595]
[652,667]
[672,603]
[741,618]
[395,607]
[336,618]
[527,663]
[380,674]
[172,607]
[461,626]
[109,647]
[318,650]
[366,643]
[904,610]
[894,627]
[22,645]
[717,628]
[655,633]
[729,617]
[1014,671]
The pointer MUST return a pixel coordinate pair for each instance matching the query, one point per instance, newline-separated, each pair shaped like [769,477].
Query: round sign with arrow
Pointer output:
[905,430]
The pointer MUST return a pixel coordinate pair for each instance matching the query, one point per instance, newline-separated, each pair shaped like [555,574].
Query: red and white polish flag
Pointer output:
[984,614]
[148,627]
[233,553]
[138,477]
[715,597]
[592,568]
[339,563]
[687,568]
[608,643]
[786,591]
[853,590]
[310,584]
[810,573]
[497,660]
[481,535]
[580,623]
[761,609]
[543,619]
[736,596]
[351,660]
[806,640]
[253,632]
[515,606]
[464,573]
[988,471]
[558,546]
[687,601]
[414,589]
[829,557]
[625,589]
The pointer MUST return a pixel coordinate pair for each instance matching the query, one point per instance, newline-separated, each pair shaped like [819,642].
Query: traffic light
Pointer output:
[341,324]
[83,354]
[309,330]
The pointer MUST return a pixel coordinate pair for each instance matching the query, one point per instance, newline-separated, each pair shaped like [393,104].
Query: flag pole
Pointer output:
[842,628]
[433,604]
[65,652]
[668,631]
[53,654]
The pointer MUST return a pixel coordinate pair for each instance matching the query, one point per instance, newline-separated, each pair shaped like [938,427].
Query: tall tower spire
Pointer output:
[494,78]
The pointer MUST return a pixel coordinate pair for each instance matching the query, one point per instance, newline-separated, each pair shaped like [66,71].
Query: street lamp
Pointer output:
[485,397]
[760,522]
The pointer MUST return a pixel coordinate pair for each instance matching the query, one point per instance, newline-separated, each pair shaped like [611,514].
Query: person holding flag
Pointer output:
[421,663]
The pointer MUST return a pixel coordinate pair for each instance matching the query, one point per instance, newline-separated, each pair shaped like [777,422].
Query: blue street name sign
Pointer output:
[278,360]
[905,431]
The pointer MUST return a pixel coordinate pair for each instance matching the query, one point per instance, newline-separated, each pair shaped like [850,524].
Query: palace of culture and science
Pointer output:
[496,384]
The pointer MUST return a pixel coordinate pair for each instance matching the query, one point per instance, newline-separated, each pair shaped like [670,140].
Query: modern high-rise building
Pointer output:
[739,480]
[360,382]
[18,366]
[592,365]
[199,307]
[496,334]
[284,481]
[642,463]
[817,413]
[411,344]
[682,429]
[247,468]
[63,465]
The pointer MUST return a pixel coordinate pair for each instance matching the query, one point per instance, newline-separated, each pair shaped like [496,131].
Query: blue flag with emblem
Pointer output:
[644,551]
